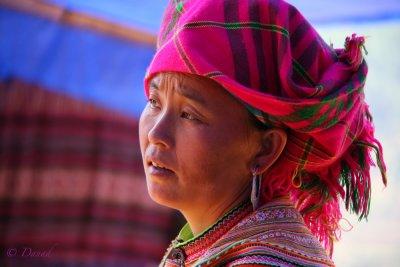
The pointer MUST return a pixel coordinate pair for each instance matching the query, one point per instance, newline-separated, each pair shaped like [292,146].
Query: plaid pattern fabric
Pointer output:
[265,53]
[273,235]
[72,183]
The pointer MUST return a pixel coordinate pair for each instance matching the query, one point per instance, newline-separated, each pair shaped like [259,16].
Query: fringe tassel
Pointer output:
[348,179]
[352,51]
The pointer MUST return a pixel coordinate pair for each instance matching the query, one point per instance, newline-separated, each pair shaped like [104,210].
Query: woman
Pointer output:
[254,130]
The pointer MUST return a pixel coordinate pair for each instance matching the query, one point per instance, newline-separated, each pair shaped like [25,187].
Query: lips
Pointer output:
[158,169]
[158,164]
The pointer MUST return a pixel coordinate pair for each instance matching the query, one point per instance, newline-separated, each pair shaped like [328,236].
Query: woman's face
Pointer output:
[197,142]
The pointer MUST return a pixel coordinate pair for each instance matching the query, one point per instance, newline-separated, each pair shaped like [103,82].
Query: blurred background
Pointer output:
[72,188]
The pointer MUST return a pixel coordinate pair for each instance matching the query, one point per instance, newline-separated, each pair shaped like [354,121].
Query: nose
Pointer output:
[161,132]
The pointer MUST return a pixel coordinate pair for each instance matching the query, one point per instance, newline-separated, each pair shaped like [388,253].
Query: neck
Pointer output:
[200,218]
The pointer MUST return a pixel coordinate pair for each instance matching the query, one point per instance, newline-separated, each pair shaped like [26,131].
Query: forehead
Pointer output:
[175,79]
[198,88]
[201,89]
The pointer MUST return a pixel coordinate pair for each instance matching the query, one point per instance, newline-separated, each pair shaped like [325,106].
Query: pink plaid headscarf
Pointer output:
[265,53]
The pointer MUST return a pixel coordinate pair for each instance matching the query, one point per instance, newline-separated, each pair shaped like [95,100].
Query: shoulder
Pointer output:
[274,235]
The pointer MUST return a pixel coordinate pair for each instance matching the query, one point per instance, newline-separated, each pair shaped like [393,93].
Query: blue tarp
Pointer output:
[144,15]
[84,64]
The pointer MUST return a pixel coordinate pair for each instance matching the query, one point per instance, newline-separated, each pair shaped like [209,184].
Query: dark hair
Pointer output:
[257,123]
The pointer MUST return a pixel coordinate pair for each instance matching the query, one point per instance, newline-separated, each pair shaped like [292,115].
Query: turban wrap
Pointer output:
[267,55]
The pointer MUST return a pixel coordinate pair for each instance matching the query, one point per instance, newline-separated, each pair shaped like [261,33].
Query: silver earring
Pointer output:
[256,187]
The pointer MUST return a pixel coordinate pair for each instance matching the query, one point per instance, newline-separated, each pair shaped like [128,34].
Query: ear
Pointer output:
[273,143]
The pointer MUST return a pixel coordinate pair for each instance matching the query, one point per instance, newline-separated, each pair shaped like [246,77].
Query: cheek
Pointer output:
[198,168]
[194,154]
[204,156]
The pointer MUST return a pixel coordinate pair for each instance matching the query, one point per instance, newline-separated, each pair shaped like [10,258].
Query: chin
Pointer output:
[163,194]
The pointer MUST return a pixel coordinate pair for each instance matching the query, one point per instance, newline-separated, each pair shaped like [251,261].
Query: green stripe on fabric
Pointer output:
[303,73]
[171,24]
[301,114]
[307,148]
[334,120]
[326,121]
[349,103]
[178,6]
[324,117]
[239,25]
[308,112]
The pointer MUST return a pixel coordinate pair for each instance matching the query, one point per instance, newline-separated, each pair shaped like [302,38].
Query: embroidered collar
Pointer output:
[268,224]
[195,246]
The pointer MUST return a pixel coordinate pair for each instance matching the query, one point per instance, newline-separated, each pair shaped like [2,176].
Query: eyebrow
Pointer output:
[184,91]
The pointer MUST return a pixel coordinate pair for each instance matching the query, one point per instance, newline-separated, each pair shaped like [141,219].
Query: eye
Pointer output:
[153,103]
[188,116]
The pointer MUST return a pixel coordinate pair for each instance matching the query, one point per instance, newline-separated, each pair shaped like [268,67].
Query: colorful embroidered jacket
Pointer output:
[273,235]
